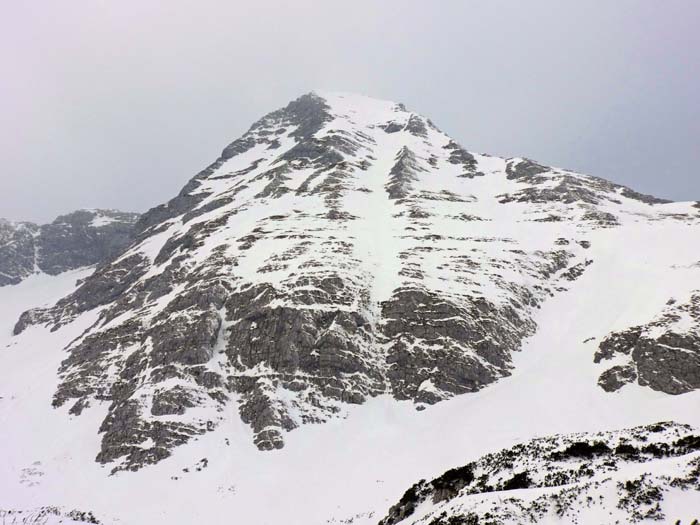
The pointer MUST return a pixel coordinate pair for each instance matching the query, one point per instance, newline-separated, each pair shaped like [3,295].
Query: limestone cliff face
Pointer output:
[663,354]
[342,248]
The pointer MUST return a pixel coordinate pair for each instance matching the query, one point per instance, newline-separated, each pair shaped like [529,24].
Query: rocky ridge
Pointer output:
[342,248]
[81,238]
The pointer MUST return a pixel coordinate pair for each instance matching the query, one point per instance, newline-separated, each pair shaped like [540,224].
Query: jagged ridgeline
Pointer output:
[74,240]
[342,248]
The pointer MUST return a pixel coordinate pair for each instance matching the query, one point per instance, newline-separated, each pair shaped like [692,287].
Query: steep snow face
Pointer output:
[81,238]
[342,249]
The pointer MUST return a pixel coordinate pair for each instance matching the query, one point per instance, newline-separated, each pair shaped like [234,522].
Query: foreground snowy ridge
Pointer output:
[346,263]
[644,473]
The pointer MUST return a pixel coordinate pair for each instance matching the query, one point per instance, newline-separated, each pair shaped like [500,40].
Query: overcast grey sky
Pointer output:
[116,104]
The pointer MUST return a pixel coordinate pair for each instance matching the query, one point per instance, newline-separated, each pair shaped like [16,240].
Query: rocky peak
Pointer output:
[342,248]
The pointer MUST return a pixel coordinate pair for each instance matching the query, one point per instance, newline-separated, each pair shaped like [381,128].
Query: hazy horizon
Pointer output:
[118,105]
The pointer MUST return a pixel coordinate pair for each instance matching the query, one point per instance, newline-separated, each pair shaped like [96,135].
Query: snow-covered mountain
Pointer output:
[345,262]
[74,240]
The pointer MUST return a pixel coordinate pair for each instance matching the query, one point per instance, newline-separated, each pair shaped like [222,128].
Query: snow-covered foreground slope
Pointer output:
[28,379]
[427,304]
[649,472]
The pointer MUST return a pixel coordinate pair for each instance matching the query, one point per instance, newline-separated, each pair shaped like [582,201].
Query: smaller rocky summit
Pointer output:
[625,476]
[81,238]
[663,354]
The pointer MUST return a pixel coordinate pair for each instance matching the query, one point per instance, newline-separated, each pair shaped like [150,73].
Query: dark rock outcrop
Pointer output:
[18,248]
[663,354]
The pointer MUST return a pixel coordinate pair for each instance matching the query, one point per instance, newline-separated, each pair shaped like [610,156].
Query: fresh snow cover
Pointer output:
[351,469]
